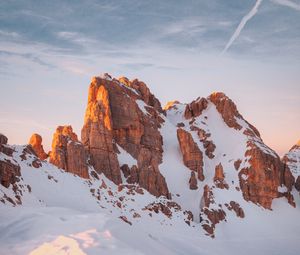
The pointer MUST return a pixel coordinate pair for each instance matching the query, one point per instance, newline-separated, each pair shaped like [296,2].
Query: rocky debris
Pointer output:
[68,153]
[193,181]
[159,207]
[236,208]
[124,218]
[195,108]
[227,109]
[259,183]
[192,156]
[208,145]
[36,143]
[189,217]
[166,208]
[213,216]
[219,177]
[136,215]
[131,189]
[125,112]
[171,105]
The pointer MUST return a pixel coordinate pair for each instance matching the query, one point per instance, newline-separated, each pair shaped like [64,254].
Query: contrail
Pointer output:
[288,3]
[243,22]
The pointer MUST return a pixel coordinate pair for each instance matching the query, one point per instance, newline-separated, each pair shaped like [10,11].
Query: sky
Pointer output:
[182,49]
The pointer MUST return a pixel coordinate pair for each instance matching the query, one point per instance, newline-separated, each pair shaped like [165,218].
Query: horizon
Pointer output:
[249,50]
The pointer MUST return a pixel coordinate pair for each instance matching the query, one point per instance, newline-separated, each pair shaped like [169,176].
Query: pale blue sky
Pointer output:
[49,50]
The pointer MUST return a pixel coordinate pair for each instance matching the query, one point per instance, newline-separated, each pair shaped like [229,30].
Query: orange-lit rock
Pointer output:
[195,108]
[118,116]
[36,143]
[170,105]
[259,183]
[68,153]
[226,108]
[97,133]
[192,156]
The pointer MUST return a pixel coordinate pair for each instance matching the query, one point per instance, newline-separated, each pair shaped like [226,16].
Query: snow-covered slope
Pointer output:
[226,191]
[292,159]
[64,214]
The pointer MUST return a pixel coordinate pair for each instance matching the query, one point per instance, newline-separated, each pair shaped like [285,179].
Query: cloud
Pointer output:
[242,24]
[288,3]
[9,34]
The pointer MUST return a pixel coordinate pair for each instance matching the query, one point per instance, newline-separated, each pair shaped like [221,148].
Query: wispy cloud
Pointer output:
[242,24]
[288,3]
[9,34]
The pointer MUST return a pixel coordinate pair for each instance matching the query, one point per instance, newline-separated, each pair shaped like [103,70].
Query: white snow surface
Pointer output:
[294,161]
[64,214]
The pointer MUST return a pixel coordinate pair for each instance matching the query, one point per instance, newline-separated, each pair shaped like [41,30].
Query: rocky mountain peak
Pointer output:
[125,113]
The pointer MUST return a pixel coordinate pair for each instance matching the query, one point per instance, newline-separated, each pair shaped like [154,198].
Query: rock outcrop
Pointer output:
[219,178]
[125,112]
[259,182]
[193,181]
[195,108]
[9,168]
[36,143]
[170,105]
[226,108]
[192,156]
[68,153]
[291,174]
[3,139]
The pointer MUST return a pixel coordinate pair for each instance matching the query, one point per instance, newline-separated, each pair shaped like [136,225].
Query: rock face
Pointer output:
[226,108]
[171,104]
[291,174]
[36,143]
[192,156]
[195,108]
[125,112]
[9,168]
[259,183]
[3,139]
[68,153]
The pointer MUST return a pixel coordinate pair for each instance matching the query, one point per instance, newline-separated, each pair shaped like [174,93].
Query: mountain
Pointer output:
[184,179]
